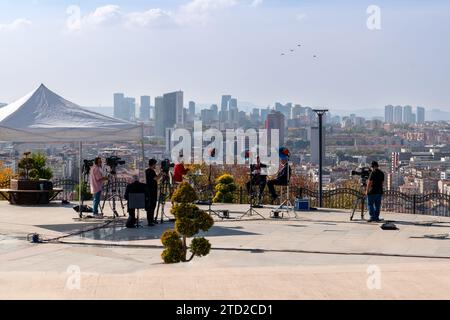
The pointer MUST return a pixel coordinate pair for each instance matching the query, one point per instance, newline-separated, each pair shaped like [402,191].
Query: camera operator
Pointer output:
[179,171]
[375,192]
[136,187]
[152,183]
[96,179]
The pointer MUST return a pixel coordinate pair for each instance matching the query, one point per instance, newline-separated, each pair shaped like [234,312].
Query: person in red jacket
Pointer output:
[179,171]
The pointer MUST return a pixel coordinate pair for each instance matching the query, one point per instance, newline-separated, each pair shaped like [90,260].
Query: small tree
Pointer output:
[189,220]
[225,189]
[35,166]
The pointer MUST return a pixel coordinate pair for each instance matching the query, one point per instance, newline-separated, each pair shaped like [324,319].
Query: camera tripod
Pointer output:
[164,193]
[360,200]
[113,194]
[211,195]
[250,212]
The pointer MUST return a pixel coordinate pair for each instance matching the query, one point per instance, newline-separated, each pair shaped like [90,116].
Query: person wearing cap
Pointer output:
[151,179]
[135,187]
[282,178]
[375,192]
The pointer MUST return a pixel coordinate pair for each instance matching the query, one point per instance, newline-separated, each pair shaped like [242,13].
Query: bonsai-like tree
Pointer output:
[225,189]
[189,220]
[34,167]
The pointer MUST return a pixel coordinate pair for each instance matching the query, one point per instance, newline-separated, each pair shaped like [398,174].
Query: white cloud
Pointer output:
[105,14]
[152,17]
[193,12]
[15,25]
[205,6]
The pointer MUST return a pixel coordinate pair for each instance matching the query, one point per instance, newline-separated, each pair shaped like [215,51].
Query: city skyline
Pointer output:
[156,46]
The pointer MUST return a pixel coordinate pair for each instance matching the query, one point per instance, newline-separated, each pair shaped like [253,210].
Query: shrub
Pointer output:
[189,221]
[225,189]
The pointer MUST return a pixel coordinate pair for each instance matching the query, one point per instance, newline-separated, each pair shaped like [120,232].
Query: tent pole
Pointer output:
[143,152]
[80,178]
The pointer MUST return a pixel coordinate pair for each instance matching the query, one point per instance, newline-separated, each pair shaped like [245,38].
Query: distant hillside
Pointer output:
[431,114]
[437,115]
[2,104]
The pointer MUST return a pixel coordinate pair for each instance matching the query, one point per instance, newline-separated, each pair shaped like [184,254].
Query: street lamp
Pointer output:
[320,113]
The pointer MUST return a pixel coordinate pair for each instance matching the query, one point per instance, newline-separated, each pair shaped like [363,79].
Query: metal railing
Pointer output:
[433,204]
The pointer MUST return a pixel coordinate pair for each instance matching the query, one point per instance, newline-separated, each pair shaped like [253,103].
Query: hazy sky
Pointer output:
[212,47]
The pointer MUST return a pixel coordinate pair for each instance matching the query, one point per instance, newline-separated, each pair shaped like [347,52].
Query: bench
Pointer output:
[30,197]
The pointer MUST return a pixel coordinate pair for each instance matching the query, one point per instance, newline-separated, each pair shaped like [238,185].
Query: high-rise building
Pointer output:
[407,115]
[286,110]
[173,109]
[225,102]
[215,112]
[144,111]
[276,120]
[255,115]
[118,105]
[192,108]
[389,114]
[420,115]
[315,144]
[160,130]
[208,115]
[297,111]
[264,114]
[130,109]
[398,114]
[233,104]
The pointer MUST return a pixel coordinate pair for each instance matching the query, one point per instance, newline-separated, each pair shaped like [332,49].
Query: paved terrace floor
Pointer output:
[319,255]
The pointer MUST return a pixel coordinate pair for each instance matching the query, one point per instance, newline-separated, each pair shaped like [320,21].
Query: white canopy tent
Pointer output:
[43,116]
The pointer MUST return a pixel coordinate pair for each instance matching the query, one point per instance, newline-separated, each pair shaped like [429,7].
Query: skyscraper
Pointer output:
[173,109]
[192,108]
[160,130]
[286,110]
[130,109]
[144,111]
[389,114]
[215,112]
[233,104]
[169,111]
[276,120]
[118,105]
[398,114]
[420,115]
[407,115]
[225,102]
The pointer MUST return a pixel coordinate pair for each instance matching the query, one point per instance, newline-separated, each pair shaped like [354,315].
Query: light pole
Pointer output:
[320,113]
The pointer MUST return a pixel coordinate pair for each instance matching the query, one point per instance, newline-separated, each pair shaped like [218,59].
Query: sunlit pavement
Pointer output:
[318,255]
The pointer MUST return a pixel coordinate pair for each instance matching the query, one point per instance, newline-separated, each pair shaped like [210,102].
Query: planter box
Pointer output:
[31,185]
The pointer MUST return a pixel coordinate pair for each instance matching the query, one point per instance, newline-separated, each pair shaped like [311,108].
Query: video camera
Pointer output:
[113,162]
[364,173]
[87,165]
[166,165]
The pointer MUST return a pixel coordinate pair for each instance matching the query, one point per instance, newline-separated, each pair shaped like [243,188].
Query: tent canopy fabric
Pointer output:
[44,116]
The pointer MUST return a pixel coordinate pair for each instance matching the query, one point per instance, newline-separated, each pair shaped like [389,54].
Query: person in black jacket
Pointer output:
[136,187]
[152,183]
[282,179]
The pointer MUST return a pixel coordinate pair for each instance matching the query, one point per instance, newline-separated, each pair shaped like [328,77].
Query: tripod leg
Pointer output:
[354,208]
